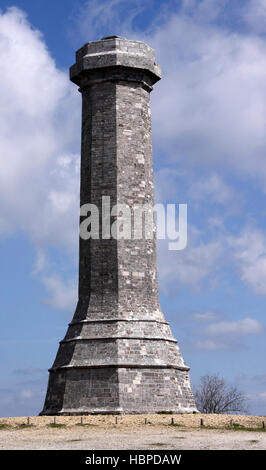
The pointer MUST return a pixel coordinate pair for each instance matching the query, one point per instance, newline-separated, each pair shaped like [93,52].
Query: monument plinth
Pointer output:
[118,355]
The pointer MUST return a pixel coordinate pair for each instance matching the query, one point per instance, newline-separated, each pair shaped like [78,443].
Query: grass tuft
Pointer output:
[4,426]
[235,427]
[55,425]
[85,424]
[157,444]
[24,426]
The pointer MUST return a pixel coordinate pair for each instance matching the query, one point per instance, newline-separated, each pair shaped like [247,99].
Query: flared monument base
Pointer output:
[118,390]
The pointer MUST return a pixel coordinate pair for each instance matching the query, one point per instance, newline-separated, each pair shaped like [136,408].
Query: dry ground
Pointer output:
[134,432]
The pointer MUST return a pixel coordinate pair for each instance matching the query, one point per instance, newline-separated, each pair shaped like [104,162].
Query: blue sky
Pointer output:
[209,147]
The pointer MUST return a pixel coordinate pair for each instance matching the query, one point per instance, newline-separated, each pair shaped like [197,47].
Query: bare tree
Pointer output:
[214,395]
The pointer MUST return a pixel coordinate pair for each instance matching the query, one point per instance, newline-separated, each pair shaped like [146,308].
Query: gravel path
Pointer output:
[130,432]
[89,439]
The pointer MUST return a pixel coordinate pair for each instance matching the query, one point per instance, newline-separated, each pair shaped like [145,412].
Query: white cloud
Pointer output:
[203,11]
[250,253]
[26,394]
[206,316]
[208,109]
[168,184]
[208,116]
[210,345]
[226,334]
[191,265]
[40,262]
[39,132]
[107,17]
[214,188]
[62,295]
[216,223]
[245,326]
[39,149]
[262,396]
[23,398]
[212,331]
[254,14]
[201,114]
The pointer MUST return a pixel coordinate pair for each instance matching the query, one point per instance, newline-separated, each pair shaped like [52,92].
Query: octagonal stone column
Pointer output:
[119,354]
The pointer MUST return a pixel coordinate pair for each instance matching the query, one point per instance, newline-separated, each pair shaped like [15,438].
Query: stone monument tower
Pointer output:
[118,355]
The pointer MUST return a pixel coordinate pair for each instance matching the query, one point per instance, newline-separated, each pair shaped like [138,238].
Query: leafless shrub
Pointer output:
[214,395]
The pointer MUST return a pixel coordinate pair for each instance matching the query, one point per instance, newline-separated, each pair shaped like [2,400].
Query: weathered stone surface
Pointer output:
[119,354]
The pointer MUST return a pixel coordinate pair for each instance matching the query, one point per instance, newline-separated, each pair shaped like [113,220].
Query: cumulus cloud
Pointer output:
[226,334]
[39,131]
[206,316]
[191,265]
[201,114]
[108,17]
[39,149]
[26,394]
[216,222]
[208,110]
[203,11]
[23,399]
[61,295]
[254,386]
[210,345]
[40,262]
[214,188]
[262,396]
[169,185]
[254,14]
[241,327]
[249,250]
